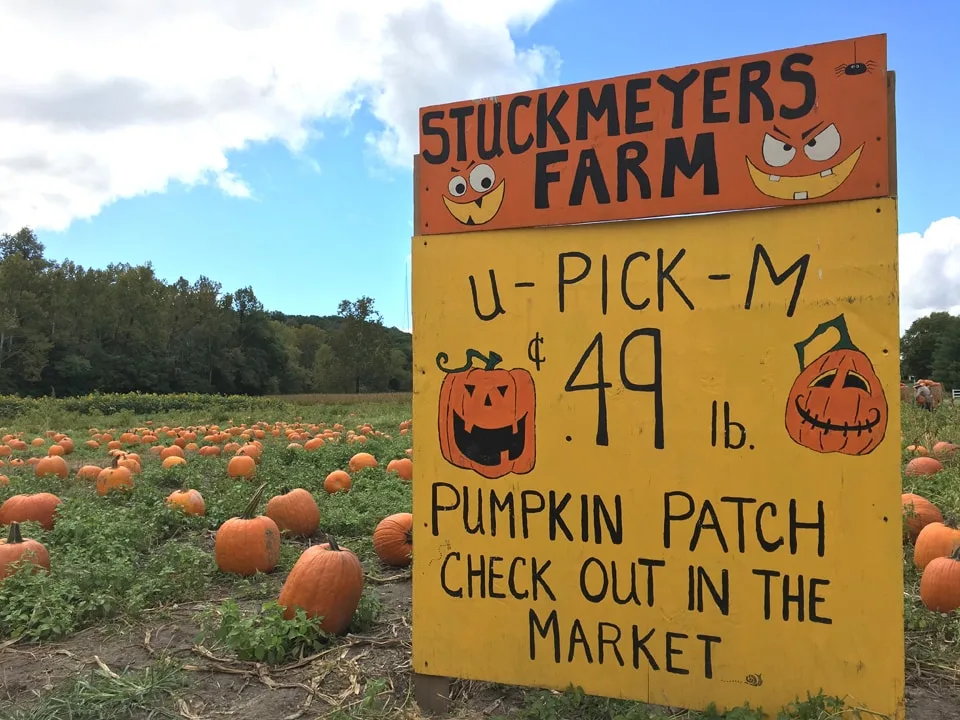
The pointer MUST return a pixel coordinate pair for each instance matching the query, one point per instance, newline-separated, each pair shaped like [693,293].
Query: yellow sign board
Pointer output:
[659,459]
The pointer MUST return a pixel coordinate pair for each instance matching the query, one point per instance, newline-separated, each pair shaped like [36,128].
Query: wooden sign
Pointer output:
[660,459]
[791,127]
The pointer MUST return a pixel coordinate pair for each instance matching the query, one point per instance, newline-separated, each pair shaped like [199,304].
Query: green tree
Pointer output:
[360,345]
[919,344]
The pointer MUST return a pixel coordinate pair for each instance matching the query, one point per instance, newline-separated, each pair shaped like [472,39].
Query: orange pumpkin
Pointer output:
[39,507]
[918,512]
[935,540]
[295,512]
[836,403]
[16,549]
[52,465]
[241,466]
[361,461]
[402,467]
[190,501]
[922,466]
[246,545]
[336,481]
[115,477]
[327,581]
[940,584]
[487,417]
[393,539]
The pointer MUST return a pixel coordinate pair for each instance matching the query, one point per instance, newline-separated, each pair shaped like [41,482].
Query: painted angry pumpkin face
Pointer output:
[487,417]
[837,403]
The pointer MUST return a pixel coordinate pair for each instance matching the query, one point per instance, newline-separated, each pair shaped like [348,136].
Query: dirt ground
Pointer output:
[315,687]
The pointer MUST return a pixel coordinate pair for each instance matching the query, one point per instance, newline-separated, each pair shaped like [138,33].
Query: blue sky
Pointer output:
[333,222]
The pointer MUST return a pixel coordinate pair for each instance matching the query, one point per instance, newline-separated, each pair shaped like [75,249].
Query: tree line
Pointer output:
[930,348]
[67,330]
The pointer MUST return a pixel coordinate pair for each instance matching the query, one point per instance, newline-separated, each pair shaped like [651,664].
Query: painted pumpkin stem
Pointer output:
[490,361]
[14,536]
[333,544]
[839,323]
[251,507]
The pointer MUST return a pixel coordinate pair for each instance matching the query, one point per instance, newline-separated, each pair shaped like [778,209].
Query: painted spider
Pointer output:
[856,67]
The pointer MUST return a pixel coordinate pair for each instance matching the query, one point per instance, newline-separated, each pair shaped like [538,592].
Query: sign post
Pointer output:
[658,459]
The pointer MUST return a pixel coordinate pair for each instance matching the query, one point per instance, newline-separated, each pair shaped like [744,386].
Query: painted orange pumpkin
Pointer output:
[487,417]
[837,403]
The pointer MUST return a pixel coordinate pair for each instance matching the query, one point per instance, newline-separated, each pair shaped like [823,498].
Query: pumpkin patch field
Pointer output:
[207,557]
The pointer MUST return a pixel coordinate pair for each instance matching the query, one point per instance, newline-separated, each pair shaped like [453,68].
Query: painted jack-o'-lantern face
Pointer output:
[487,417]
[837,402]
[473,196]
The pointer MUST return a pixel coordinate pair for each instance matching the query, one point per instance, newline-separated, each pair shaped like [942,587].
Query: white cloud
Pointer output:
[930,271]
[106,99]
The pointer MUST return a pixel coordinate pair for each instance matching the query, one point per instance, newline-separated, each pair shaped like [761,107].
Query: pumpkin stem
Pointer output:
[490,361]
[839,323]
[333,544]
[14,536]
[955,555]
[251,507]
[950,521]
[284,490]
[115,463]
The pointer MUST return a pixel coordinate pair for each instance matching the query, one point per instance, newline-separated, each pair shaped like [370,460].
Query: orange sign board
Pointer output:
[790,127]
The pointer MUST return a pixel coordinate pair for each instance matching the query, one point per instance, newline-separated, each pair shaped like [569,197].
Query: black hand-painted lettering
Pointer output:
[533,351]
[799,267]
[490,147]
[789,73]
[815,599]
[703,157]
[753,76]
[729,426]
[562,274]
[543,176]
[460,114]
[664,275]
[555,515]
[428,130]
[600,385]
[454,593]
[671,651]
[677,88]
[495,292]
[551,627]
[740,502]
[707,520]
[604,105]
[624,273]
[819,525]
[766,544]
[602,584]
[669,515]
[437,508]
[635,107]
[630,157]
[547,117]
[712,94]
[699,580]
[516,147]
[506,505]
[655,386]
[588,169]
